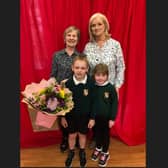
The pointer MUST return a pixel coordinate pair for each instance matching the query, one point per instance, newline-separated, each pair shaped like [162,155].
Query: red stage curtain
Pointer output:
[42,23]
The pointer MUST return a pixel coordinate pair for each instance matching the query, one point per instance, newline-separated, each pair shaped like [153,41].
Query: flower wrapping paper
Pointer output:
[49,99]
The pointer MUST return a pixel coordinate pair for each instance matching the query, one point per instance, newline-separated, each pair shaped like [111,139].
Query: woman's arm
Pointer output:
[120,67]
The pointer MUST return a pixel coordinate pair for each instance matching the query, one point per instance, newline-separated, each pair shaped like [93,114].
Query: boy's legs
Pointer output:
[71,142]
[82,154]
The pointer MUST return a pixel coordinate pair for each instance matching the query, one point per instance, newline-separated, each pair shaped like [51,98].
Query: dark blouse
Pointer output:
[61,65]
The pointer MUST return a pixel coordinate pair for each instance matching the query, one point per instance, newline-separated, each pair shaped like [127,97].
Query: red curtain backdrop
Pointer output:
[42,23]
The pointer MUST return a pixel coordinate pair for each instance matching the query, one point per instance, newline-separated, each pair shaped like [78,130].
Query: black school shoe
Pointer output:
[68,162]
[82,158]
[64,145]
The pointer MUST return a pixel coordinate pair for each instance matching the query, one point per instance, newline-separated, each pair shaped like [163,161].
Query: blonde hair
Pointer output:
[105,22]
[70,29]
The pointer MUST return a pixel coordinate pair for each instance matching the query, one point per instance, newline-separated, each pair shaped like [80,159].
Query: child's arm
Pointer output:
[114,104]
[64,122]
[111,123]
[91,123]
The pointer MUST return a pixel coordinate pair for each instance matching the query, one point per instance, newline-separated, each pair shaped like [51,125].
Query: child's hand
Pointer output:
[91,123]
[64,122]
[63,81]
[111,123]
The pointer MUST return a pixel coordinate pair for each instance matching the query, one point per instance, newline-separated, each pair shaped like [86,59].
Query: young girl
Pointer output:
[79,119]
[105,108]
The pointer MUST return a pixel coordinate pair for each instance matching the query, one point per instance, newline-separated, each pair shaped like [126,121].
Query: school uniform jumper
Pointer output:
[105,108]
[79,116]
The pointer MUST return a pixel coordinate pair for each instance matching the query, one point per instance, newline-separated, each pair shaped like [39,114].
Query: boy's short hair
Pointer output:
[101,68]
[81,57]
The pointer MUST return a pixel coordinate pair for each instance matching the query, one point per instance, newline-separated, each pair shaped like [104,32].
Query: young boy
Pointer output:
[105,108]
[80,119]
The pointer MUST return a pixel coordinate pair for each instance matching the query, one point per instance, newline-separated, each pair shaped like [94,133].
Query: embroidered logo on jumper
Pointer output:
[106,94]
[85,92]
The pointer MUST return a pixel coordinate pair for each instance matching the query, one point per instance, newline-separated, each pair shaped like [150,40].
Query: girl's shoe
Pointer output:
[96,154]
[104,157]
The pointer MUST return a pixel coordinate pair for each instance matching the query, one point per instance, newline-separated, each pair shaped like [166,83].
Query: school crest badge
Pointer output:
[106,94]
[85,92]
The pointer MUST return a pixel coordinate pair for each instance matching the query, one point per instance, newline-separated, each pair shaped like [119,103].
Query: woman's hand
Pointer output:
[63,81]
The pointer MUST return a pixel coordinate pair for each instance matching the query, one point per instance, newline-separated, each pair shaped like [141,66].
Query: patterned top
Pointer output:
[61,65]
[111,54]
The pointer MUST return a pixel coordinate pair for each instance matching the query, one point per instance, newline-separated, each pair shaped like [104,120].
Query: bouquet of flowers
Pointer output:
[49,98]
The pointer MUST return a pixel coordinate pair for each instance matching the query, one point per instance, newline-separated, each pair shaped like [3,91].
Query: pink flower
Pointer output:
[52,103]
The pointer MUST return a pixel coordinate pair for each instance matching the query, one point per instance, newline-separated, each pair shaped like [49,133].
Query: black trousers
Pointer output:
[102,133]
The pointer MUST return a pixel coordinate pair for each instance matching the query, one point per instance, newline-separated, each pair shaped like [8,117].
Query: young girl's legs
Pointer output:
[99,140]
[102,133]
[105,146]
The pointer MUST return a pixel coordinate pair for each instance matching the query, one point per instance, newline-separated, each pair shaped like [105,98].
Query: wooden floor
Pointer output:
[121,155]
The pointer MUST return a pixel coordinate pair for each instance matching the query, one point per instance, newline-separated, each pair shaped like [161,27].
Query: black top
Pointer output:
[82,97]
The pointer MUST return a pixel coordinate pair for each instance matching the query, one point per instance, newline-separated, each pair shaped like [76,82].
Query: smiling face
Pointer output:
[80,69]
[97,27]
[71,39]
[100,78]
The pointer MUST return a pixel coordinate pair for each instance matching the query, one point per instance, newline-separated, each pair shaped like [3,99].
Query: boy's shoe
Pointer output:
[64,145]
[104,157]
[92,144]
[96,154]
[68,161]
[82,158]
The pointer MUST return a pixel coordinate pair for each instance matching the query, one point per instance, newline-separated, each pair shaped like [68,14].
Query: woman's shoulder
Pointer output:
[60,52]
[113,41]
[88,44]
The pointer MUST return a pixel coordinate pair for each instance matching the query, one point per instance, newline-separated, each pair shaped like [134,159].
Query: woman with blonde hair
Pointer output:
[102,48]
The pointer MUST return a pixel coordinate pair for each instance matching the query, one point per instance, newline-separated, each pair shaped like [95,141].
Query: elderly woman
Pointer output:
[61,68]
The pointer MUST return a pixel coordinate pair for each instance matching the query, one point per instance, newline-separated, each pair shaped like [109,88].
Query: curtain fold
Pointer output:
[42,24]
